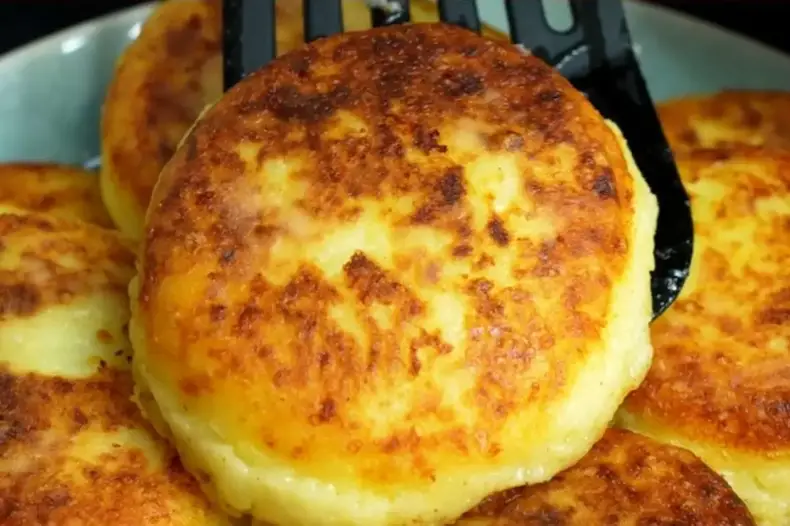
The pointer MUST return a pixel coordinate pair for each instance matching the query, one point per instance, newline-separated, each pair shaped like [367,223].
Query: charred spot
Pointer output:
[79,417]
[19,299]
[752,118]
[549,96]
[427,140]
[470,51]
[217,312]
[195,385]
[774,316]
[461,251]
[52,500]
[451,185]
[372,284]
[228,255]
[299,63]
[603,185]
[721,154]
[389,144]
[204,198]
[392,80]
[483,262]
[424,215]
[326,412]
[497,232]
[606,473]
[460,83]
[386,44]
[248,320]
[323,359]
[288,103]
[689,137]
[414,363]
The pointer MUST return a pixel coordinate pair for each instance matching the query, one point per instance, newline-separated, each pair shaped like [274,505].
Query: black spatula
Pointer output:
[595,54]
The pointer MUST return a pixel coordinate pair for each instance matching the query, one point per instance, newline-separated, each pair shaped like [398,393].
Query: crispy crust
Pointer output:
[161,83]
[625,479]
[399,245]
[62,191]
[720,371]
[79,450]
[165,79]
[729,118]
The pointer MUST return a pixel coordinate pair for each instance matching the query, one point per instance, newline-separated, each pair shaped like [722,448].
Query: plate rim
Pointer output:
[142,11]
[20,53]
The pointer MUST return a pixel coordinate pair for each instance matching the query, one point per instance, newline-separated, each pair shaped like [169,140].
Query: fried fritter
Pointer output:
[161,83]
[74,448]
[720,382]
[63,191]
[625,480]
[729,118]
[393,272]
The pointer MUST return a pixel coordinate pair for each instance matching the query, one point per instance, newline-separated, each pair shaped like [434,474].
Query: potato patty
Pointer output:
[720,381]
[74,448]
[625,480]
[389,274]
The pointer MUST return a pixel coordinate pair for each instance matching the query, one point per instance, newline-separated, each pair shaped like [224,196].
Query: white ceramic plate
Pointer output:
[51,90]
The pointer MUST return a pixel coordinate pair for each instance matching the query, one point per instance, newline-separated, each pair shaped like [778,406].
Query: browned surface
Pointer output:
[46,261]
[249,330]
[162,82]
[59,463]
[730,118]
[627,480]
[169,74]
[54,189]
[721,374]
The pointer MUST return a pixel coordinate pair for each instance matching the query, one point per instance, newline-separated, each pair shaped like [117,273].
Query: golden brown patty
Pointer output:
[74,449]
[626,479]
[720,381]
[730,118]
[54,189]
[161,83]
[392,273]
[165,79]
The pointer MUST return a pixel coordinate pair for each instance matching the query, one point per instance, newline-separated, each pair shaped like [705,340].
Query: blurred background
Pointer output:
[25,20]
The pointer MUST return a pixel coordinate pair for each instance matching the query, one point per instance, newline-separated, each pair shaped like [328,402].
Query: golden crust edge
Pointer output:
[762,482]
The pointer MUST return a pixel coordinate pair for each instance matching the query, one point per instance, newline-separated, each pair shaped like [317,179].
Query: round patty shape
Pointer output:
[162,82]
[720,381]
[729,118]
[62,191]
[626,479]
[393,272]
[74,448]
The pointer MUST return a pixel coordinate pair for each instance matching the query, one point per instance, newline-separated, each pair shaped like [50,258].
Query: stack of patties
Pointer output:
[387,276]
[74,448]
[720,381]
